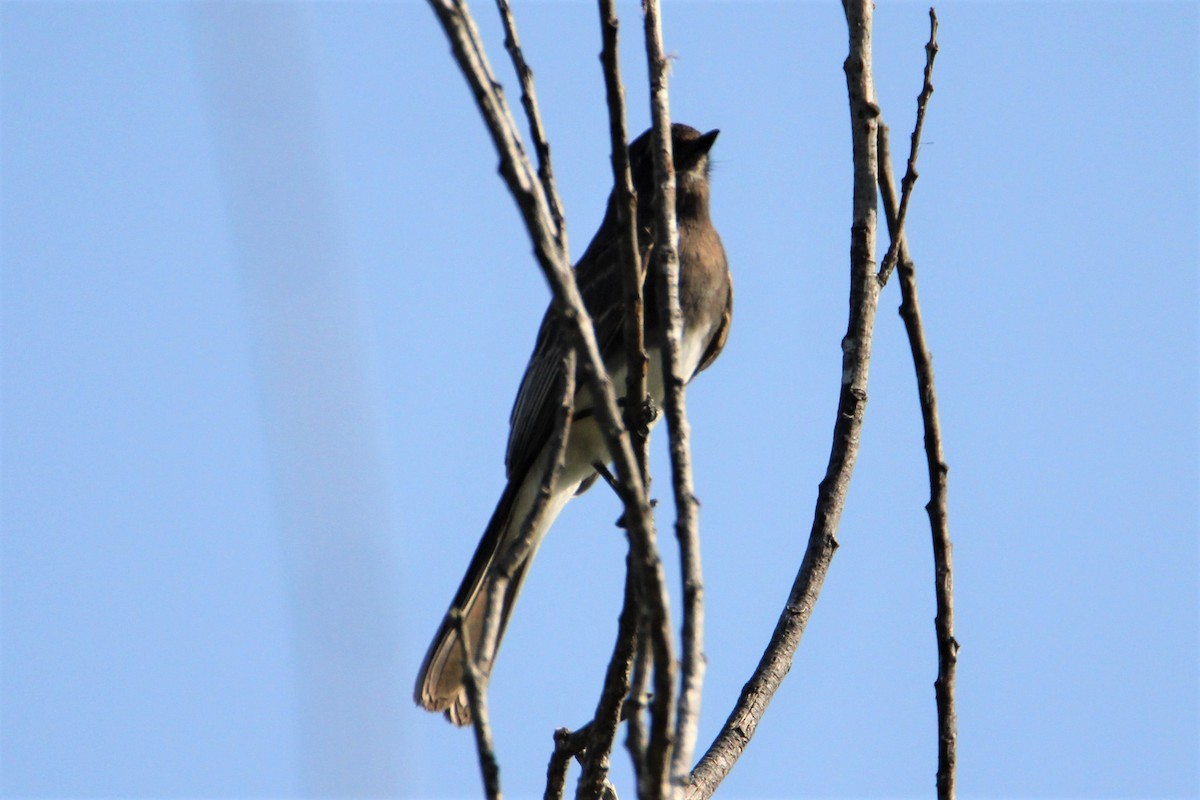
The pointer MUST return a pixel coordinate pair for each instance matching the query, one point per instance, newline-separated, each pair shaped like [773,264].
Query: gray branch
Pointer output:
[536,131]
[612,696]
[666,256]
[639,687]
[910,312]
[617,676]
[477,699]
[910,174]
[633,271]
[856,354]
[556,770]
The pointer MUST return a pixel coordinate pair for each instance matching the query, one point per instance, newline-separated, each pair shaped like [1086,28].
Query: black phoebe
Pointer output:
[706,299]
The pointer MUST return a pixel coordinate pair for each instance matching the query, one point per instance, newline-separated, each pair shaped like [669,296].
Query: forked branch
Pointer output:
[910,312]
[910,174]
[536,131]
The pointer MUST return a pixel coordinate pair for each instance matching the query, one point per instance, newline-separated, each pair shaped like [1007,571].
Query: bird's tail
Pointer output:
[440,685]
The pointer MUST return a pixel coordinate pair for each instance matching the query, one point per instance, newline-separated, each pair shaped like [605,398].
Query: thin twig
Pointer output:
[856,354]
[635,724]
[560,760]
[910,312]
[536,131]
[618,673]
[568,745]
[517,552]
[612,697]
[606,475]
[633,274]
[477,699]
[910,174]
[673,742]
[687,507]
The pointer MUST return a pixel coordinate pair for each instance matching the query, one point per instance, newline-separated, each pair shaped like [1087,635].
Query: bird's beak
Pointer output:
[692,151]
[705,142]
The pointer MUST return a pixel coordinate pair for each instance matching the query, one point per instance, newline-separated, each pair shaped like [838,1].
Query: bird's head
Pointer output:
[690,155]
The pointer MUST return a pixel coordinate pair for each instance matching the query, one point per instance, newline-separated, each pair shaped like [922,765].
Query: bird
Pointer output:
[706,301]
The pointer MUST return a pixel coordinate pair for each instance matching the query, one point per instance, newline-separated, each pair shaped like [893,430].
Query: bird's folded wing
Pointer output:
[599,278]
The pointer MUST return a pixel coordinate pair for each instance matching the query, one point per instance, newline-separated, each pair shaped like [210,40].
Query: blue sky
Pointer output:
[265,303]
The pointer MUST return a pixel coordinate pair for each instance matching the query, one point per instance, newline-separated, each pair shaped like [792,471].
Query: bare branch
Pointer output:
[618,674]
[633,273]
[476,698]
[612,697]
[518,551]
[666,257]
[635,725]
[856,353]
[910,312]
[910,175]
[529,102]
[568,745]
[556,770]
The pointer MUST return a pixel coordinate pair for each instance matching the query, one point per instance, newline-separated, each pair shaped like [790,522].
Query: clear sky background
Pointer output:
[265,304]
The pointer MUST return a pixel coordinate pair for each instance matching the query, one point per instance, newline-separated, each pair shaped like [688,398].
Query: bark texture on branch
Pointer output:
[536,130]
[943,563]
[687,508]
[896,217]
[910,312]
[856,353]
[477,698]
[633,271]
[617,675]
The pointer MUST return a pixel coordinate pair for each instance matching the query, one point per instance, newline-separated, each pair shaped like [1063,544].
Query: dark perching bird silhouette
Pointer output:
[706,300]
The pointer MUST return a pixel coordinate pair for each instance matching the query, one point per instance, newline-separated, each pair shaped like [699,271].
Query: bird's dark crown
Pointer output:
[689,149]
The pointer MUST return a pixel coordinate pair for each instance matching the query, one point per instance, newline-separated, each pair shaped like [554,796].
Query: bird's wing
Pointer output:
[599,279]
[717,343]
